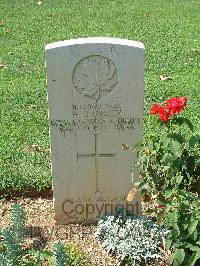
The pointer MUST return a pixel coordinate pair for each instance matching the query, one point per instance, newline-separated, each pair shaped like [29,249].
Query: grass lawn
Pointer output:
[170,31]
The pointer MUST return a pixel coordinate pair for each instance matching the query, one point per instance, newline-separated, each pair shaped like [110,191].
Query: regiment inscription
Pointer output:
[96,117]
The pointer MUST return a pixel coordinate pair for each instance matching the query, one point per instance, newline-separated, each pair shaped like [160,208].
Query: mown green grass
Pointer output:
[170,31]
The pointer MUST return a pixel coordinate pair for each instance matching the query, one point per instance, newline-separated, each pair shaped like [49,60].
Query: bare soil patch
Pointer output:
[42,231]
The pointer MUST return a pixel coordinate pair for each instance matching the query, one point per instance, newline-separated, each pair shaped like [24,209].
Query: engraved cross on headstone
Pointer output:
[97,155]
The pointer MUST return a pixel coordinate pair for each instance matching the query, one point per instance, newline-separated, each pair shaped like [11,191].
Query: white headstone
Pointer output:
[95,97]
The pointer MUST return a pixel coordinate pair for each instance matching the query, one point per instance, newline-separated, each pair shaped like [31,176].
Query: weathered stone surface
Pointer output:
[95,97]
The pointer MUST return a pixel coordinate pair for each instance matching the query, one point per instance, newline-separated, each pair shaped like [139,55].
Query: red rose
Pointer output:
[163,114]
[154,109]
[173,105]
[176,105]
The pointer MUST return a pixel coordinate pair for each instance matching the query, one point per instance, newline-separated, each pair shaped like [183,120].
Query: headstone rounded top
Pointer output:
[95,76]
[93,40]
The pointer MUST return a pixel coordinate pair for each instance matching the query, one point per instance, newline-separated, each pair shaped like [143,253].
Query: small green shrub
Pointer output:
[134,240]
[70,253]
[169,156]
[12,252]
[18,222]
[59,254]
[169,164]
[75,256]
[182,217]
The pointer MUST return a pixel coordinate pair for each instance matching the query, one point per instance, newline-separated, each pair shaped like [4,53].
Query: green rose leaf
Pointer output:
[192,227]
[176,148]
[167,244]
[168,193]
[176,227]
[150,145]
[179,179]
[194,235]
[194,140]
[179,254]
[195,256]
[183,120]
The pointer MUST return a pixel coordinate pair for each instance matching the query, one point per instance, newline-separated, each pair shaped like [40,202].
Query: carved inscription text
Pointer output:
[96,117]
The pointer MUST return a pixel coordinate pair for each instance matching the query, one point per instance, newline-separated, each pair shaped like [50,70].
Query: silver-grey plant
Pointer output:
[132,239]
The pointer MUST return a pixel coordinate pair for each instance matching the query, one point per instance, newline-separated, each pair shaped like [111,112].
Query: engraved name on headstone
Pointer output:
[95,98]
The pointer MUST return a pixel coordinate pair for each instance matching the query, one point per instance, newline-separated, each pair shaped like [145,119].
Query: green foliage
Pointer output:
[13,238]
[59,254]
[135,241]
[182,217]
[13,253]
[18,222]
[169,163]
[75,256]
[169,158]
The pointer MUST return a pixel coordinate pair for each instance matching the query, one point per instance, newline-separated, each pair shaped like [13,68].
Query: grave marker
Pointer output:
[95,98]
